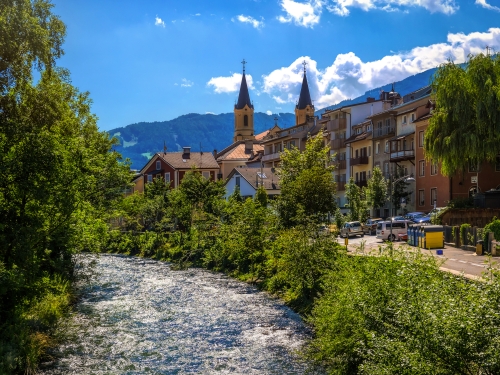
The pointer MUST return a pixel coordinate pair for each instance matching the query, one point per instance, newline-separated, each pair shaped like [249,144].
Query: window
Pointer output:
[421,168]
[158,165]
[404,120]
[167,178]
[358,131]
[434,168]
[412,117]
[386,146]
[421,198]
[245,120]
[150,178]
[368,128]
[434,195]
[386,169]
[206,175]
[388,123]
[377,148]
[237,180]
[421,139]
[369,150]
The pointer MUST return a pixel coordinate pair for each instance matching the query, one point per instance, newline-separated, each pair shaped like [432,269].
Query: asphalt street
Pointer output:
[456,261]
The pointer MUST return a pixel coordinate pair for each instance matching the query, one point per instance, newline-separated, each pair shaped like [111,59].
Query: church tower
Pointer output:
[243,112]
[304,108]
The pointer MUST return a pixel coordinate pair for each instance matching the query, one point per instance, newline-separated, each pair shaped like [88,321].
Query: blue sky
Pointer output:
[154,60]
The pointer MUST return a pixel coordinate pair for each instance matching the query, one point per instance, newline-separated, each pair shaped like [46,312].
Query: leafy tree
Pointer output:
[356,200]
[307,185]
[236,196]
[464,128]
[261,196]
[376,192]
[399,189]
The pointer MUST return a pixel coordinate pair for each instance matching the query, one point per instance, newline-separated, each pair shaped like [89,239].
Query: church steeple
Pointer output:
[243,112]
[304,108]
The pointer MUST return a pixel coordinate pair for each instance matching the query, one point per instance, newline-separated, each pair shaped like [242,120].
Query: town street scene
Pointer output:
[250,187]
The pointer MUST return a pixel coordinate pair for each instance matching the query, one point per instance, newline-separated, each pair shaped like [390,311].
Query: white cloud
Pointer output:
[341,7]
[247,19]
[229,84]
[269,113]
[186,83]
[349,76]
[159,22]
[484,4]
[209,113]
[303,14]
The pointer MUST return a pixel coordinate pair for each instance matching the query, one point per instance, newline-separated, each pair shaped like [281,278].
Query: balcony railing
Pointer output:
[359,160]
[362,183]
[402,155]
[337,143]
[341,186]
[341,164]
[272,156]
[336,125]
[382,132]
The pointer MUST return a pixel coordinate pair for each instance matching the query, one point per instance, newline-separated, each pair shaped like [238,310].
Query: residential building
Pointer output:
[248,180]
[361,160]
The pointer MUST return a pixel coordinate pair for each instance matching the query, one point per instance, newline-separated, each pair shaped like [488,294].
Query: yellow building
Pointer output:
[361,153]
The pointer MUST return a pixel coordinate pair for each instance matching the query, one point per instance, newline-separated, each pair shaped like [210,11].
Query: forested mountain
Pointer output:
[214,132]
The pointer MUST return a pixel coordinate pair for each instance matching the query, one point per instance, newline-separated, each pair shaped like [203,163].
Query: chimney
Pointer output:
[214,152]
[186,152]
[248,146]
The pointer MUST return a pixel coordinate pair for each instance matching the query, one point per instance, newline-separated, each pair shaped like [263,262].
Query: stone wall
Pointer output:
[476,217]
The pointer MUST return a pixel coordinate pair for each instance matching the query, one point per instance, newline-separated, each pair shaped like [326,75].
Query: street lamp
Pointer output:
[408,178]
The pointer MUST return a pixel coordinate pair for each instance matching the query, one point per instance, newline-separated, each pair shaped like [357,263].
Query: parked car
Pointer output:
[426,219]
[396,218]
[352,228]
[398,227]
[412,215]
[370,227]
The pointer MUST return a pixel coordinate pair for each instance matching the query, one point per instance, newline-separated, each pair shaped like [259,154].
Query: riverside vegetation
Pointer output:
[61,188]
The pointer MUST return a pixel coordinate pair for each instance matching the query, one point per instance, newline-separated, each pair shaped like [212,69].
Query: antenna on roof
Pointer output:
[201,150]
[164,148]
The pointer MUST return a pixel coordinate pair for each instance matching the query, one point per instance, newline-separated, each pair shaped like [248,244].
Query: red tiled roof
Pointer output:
[180,160]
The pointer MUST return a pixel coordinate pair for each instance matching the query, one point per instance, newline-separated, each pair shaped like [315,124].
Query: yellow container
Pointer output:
[433,237]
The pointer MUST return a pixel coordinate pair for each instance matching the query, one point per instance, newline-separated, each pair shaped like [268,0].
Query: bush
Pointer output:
[464,230]
[493,226]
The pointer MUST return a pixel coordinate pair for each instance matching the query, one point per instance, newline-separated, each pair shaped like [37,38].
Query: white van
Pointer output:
[398,227]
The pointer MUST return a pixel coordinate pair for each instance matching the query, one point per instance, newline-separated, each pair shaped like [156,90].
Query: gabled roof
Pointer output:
[237,151]
[254,175]
[260,136]
[244,96]
[180,160]
[358,137]
[305,96]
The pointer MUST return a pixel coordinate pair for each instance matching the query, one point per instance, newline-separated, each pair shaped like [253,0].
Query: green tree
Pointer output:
[261,196]
[376,191]
[399,190]
[307,185]
[356,200]
[464,128]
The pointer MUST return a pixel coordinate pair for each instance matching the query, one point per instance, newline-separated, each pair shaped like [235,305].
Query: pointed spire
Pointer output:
[244,96]
[305,96]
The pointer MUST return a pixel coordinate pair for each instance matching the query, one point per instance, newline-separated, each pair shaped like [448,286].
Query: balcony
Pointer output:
[336,125]
[402,155]
[359,160]
[273,156]
[341,164]
[383,132]
[337,144]
[362,183]
[341,186]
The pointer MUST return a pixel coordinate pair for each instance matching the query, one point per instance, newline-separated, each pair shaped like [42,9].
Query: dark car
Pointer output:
[426,219]
[413,215]
[370,227]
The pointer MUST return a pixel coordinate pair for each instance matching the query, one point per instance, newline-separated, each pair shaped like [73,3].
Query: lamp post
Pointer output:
[391,186]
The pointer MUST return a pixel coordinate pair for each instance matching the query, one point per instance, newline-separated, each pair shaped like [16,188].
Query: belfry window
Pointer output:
[245,120]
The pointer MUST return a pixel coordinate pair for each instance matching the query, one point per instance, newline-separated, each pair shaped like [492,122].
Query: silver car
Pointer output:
[352,228]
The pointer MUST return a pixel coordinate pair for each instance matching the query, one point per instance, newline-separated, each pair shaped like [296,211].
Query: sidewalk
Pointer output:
[457,261]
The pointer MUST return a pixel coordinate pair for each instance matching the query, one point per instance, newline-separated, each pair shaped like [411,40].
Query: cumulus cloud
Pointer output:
[229,84]
[186,83]
[348,76]
[159,22]
[341,7]
[269,113]
[252,21]
[305,14]
[484,4]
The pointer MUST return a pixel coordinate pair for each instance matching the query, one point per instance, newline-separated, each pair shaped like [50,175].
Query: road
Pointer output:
[456,261]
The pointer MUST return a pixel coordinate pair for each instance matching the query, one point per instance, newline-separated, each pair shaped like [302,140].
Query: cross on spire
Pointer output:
[244,62]
[304,63]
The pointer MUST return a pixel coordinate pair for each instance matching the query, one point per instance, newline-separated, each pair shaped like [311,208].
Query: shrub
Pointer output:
[464,230]
[493,226]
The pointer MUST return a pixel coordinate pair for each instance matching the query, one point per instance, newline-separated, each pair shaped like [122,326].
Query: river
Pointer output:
[138,316]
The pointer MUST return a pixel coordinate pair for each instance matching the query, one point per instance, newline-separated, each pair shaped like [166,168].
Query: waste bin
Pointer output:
[413,234]
[432,236]
[479,247]
[420,234]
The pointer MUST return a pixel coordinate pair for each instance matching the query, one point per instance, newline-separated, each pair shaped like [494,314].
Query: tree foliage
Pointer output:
[307,185]
[356,199]
[376,191]
[465,127]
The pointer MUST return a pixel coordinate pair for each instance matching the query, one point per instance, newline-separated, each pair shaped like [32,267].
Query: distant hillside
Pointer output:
[211,132]
[214,132]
